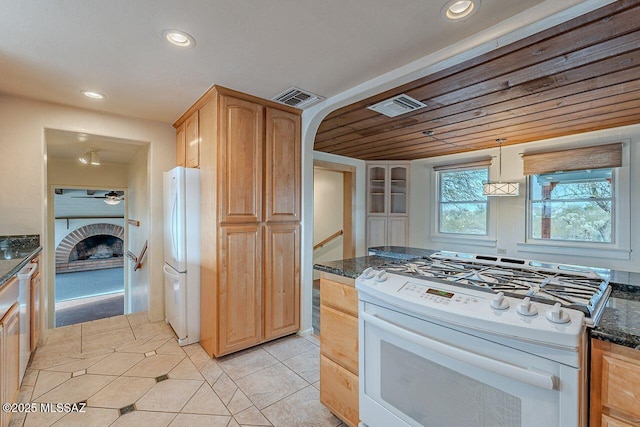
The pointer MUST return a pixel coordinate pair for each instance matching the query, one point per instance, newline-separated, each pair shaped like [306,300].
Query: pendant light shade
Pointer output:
[500,188]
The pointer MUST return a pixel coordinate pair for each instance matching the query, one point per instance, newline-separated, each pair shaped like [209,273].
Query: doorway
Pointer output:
[89,279]
[333,211]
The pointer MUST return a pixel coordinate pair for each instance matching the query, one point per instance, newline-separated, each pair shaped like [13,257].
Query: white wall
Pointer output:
[140,297]
[510,213]
[358,202]
[24,198]
[327,215]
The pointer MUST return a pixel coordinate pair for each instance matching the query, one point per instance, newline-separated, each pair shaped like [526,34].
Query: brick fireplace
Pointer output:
[92,247]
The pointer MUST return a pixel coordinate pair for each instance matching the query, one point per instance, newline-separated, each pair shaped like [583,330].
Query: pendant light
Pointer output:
[501,188]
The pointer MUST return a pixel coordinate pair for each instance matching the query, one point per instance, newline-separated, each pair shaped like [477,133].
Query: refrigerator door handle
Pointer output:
[174,228]
[169,273]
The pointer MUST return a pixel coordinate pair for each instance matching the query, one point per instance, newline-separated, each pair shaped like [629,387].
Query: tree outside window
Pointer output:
[463,207]
[572,206]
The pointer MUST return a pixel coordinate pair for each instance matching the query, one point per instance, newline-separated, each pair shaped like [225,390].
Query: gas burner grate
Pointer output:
[548,283]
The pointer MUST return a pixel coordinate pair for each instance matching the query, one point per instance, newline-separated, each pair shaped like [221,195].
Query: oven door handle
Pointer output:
[530,376]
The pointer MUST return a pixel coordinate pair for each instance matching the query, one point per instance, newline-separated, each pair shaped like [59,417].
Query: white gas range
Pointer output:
[468,340]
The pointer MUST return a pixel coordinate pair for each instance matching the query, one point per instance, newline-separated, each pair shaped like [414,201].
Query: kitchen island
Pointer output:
[615,359]
[620,322]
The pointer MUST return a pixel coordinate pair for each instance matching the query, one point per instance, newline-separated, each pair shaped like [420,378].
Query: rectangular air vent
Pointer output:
[397,105]
[296,97]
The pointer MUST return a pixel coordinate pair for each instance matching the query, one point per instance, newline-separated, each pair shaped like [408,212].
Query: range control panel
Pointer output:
[435,295]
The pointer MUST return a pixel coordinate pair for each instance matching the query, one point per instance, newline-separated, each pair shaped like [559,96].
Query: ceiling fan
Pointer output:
[110,198]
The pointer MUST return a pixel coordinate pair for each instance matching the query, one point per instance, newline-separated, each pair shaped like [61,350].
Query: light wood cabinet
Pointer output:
[240,160]
[339,347]
[615,385]
[188,142]
[181,147]
[240,287]
[10,363]
[281,279]
[387,204]
[339,391]
[282,166]
[250,219]
[192,141]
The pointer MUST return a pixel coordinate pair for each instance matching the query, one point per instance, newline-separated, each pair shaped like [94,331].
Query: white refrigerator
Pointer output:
[182,253]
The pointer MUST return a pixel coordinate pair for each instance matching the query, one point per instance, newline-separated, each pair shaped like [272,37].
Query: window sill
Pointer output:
[571,249]
[465,240]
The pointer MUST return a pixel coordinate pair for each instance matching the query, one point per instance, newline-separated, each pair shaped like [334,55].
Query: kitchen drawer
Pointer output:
[621,385]
[615,385]
[608,421]
[339,338]
[339,296]
[339,391]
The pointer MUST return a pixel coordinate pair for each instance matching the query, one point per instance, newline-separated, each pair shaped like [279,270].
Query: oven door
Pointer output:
[417,373]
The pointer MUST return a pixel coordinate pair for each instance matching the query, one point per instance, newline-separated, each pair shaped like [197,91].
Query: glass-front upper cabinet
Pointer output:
[387,189]
[398,190]
[377,189]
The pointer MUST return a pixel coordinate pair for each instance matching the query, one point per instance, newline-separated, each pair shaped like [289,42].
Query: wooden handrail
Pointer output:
[328,239]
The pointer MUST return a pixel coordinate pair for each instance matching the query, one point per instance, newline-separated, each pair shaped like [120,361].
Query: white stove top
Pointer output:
[572,287]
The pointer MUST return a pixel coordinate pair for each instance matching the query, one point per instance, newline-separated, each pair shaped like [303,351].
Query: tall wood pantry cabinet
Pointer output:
[250,219]
[387,204]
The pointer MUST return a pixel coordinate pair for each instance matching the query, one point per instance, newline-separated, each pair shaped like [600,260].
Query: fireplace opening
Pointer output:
[97,247]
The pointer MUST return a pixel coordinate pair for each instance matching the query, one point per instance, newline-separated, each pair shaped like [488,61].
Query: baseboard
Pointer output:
[305,333]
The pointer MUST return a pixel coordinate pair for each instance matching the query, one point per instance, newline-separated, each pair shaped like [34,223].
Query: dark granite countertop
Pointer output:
[15,253]
[352,267]
[620,321]
[401,252]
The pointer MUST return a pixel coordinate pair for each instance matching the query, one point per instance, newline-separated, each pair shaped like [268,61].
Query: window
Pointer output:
[462,207]
[572,206]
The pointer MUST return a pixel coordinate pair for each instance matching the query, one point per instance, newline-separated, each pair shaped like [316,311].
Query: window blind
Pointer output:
[466,165]
[595,157]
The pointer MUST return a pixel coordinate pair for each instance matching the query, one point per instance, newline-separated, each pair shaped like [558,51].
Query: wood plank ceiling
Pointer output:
[580,76]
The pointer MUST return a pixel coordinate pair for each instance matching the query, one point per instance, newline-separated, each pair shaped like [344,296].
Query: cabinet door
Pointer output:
[180,146]
[282,166]
[376,231]
[339,338]
[35,310]
[376,190]
[11,354]
[192,140]
[281,280]
[239,293]
[398,190]
[339,391]
[397,231]
[240,160]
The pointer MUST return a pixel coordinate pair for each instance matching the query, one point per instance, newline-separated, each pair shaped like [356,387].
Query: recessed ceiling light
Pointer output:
[93,95]
[179,38]
[456,10]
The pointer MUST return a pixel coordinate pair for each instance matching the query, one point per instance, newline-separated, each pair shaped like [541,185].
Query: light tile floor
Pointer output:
[131,372]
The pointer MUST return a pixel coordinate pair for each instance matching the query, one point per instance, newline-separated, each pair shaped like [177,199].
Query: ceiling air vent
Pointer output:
[397,105]
[297,97]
